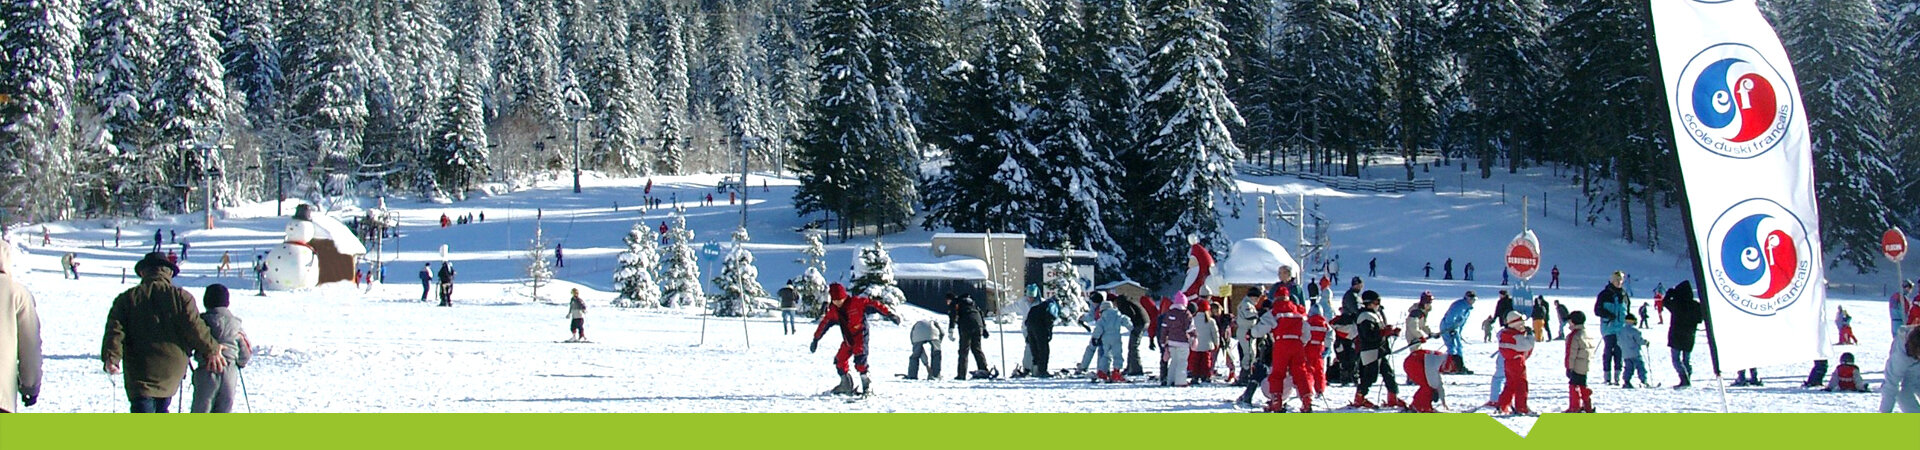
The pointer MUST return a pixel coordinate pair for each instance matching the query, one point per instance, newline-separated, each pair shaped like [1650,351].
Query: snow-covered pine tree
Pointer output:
[812,288]
[681,279]
[842,118]
[788,84]
[460,142]
[1331,87]
[37,73]
[617,93]
[1062,285]
[873,277]
[671,85]
[120,62]
[1903,69]
[1188,152]
[191,95]
[528,67]
[736,99]
[1078,181]
[1500,50]
[251,55]
[1835,46]
[473,36]
[539,271]
[637,266]
[323,48]
[1420,57]
[815,253]
[1624,127]
[738,282]
[992,179]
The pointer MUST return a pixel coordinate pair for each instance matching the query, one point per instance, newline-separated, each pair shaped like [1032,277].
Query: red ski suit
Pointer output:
[1289,352]
[1416,366]
[1515,347]
[851,316]
[1317,330]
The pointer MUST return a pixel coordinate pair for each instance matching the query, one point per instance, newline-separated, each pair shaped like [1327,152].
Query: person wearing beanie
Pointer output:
[213,392]
[1611,307]
[20,354]
[1206,341]
[1086,322]
[1516,344]
[1373,338]
[1579,360]
[577,316]
[1176,342]
[151,328]
[850,314]
[446,283]
[1631,342]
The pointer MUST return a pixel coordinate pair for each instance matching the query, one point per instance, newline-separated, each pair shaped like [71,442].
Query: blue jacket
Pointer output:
[1630,342]
[1456,317]
[1108,328]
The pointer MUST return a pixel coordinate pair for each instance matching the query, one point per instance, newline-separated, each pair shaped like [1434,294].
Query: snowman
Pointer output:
[293,265]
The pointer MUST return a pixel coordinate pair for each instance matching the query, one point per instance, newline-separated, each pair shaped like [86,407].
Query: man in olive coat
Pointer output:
[151,329]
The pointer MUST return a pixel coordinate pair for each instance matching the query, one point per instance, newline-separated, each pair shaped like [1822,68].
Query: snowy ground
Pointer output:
[337,349]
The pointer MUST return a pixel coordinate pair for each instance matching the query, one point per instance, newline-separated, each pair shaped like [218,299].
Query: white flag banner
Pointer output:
[1741,133]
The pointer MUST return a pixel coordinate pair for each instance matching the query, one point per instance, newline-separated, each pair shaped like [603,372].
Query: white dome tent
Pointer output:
[1255,262]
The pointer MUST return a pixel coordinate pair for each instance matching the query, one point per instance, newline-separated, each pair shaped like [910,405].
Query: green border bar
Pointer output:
[942,431]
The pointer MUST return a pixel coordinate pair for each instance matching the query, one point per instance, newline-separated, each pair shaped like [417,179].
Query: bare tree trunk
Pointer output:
[1653,219]
[1626,202]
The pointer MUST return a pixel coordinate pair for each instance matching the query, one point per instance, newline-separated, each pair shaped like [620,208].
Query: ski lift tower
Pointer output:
[1312,252]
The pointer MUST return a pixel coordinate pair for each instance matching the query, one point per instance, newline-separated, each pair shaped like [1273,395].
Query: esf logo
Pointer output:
[1760,259]
[1733,102]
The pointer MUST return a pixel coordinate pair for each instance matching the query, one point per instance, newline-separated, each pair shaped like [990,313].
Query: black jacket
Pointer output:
[966,318]
[1687,315]
[1610,294]
[1040,320]
[1540,309]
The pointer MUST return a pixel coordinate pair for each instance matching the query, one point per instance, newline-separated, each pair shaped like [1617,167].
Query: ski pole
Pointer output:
[243,389]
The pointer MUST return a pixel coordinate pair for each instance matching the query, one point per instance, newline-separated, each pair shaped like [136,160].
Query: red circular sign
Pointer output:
[1894,244]
[1523,256]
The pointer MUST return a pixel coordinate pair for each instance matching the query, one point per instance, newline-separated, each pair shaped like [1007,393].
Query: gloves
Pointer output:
[814,347]
[1096,342]
[983,333]
[29,399]
[894,319]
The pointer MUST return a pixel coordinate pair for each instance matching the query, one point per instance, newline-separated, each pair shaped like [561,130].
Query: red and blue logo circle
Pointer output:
[1760,257]
[1733,102]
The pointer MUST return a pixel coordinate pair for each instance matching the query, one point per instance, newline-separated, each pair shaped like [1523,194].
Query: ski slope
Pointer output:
[340,349]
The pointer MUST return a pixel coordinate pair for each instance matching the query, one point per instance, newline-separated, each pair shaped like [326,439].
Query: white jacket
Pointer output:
[1206,333]
[20,356]
[927,330]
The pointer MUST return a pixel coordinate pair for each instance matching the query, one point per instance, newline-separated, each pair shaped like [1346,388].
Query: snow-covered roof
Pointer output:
[1116,284]
[1257,261]
[343,238]
[1044,253]
[948,268]
[978,236]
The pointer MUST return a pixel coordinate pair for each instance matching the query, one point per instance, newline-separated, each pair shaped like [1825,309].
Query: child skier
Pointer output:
[1631,341]
[1423,369]
[1516,344]
[1846,378]
[1107,335]
[1314,354]
[577,315]
[213,391]
[1452,327]
[1579,361]
[850,313]
[1844,322]
[1286,323]
[1372,340]
[1206,339]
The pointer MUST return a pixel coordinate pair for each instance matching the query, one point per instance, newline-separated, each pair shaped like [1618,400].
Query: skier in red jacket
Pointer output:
[1317,332]
[1287,323]
[1515,346]
[850,313]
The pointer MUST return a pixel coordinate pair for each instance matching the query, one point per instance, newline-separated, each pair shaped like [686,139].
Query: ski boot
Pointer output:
[846,385]
[866,385]
[1393,401]
[1098,376]
[1360,401]
[1573,401]
[1275,406]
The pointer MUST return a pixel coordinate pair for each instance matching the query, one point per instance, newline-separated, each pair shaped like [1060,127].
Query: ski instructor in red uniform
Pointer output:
[850,313]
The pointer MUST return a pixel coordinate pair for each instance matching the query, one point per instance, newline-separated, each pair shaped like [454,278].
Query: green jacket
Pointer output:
[151,329]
